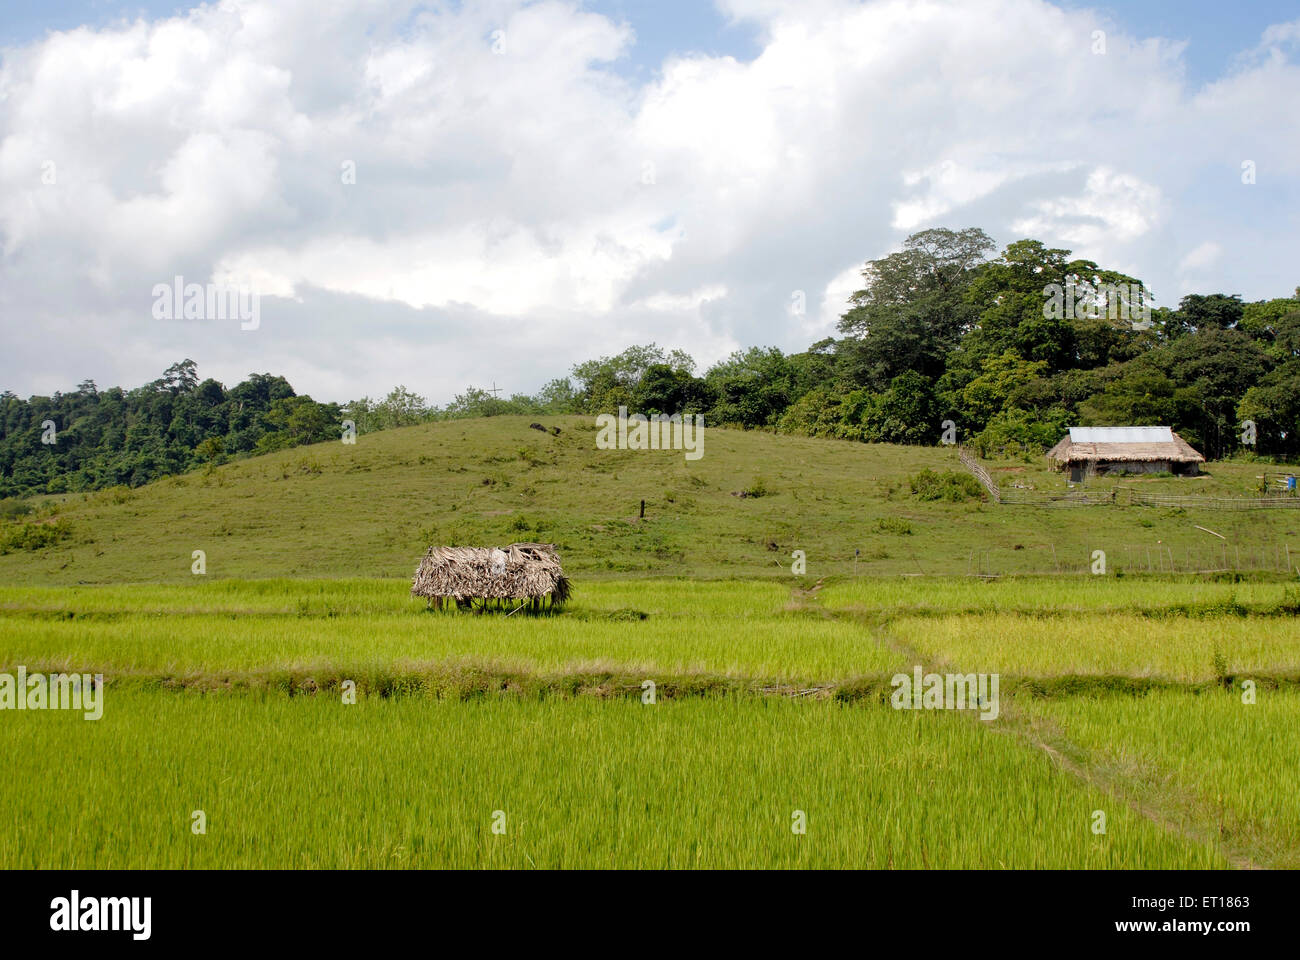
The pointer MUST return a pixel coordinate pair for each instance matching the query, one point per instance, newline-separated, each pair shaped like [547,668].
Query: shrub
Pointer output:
[894,525]
[13,508]
[33,536]
[948,485]
[627,615]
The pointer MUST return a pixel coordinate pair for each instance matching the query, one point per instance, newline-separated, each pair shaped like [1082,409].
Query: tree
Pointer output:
[665,389]
[211,450]
[1001,380]
[610,382]
[1015,431]
[1143,396]
[402,407]
[820,413]
[1213,369]
[753,387]
[904,413]
[911,311]
[179,377]
[292,421]
[558,396]
[1009,293]
[1274,407]
[1216,311]
[1274,324]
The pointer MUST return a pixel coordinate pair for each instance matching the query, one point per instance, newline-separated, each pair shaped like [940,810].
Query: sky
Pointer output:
[473,193]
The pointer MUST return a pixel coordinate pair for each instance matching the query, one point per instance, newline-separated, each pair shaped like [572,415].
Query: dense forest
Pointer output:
[92,438]
[941,331]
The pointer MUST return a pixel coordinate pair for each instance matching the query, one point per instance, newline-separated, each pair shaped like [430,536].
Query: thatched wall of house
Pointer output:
[522,573]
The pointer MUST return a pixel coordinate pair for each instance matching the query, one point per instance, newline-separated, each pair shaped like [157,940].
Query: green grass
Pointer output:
[1224,768]
[1105,645]
[370,510]
[225,696]
[1060,595]
[788,648]
[665,629]
[311,782]
[597,599]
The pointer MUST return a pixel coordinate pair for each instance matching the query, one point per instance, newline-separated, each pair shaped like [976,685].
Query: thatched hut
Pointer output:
[1097,450]
[520,575]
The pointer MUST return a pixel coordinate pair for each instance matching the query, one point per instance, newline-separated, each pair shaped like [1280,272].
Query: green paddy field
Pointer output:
[770,712]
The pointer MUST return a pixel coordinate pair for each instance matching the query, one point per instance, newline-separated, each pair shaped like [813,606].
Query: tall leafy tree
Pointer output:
[912,310]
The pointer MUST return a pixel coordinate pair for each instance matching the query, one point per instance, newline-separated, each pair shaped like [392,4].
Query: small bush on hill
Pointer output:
[33,536]
[13,508]
[947,485]
[894,525]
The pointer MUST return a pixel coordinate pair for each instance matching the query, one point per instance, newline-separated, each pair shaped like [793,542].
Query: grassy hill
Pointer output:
[370,509]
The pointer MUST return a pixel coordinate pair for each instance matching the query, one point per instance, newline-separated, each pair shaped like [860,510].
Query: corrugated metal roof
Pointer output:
[1121,435]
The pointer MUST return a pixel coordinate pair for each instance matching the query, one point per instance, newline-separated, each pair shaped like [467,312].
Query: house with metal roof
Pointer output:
[1099,450]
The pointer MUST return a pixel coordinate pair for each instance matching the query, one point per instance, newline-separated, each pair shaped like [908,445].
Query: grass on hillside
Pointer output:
[371,509]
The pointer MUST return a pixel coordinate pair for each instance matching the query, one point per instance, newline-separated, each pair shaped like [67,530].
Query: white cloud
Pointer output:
[835,301]
[1111,210]
[950,185]
[685,303]
[1204,255]
[520,208]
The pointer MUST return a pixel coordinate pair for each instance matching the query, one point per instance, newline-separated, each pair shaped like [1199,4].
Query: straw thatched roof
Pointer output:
[522,573]
[1123,445]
